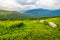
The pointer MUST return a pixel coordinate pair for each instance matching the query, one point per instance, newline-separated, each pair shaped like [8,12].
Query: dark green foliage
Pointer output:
[19,24]
[46,23]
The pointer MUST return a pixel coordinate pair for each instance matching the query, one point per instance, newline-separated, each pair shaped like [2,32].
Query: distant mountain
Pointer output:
[12,15]
[43,13]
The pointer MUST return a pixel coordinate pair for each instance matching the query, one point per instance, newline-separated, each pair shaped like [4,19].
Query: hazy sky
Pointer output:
[29,4]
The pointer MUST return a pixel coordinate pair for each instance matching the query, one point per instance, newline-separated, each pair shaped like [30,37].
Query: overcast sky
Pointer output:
[29,4]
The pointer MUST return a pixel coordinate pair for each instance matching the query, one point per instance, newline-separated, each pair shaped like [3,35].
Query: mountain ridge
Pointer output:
[43,12]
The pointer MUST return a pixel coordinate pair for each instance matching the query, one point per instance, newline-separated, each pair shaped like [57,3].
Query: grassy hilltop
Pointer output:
[27,29]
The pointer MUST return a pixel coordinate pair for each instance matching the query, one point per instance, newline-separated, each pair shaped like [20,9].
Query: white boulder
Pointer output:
[41,21]
[52,24]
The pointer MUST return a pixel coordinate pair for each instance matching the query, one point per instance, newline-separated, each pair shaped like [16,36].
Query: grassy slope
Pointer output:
[31,30]
[13,15]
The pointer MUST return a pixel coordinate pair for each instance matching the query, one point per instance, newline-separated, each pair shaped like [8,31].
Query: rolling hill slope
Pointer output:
[13,15]
[29,30]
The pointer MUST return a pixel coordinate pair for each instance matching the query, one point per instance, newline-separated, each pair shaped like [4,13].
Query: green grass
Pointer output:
[29,30]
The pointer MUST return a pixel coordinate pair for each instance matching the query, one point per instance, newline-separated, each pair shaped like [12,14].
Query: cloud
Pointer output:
[9,5]
[49,4]
[29,4]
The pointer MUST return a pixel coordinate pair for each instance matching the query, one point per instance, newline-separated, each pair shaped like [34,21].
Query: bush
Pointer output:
[20,24]
[45,23]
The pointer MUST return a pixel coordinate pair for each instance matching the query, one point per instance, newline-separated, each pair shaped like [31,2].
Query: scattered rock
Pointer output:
[52,24]
[41,21]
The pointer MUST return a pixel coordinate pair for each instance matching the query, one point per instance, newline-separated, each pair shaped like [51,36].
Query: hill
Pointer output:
[13,15]
[43,12]
[29,30]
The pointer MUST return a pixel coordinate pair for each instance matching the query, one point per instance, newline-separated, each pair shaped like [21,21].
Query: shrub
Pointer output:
[20,24]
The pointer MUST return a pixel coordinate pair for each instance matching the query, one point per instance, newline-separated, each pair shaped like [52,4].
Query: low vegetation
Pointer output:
[29,29]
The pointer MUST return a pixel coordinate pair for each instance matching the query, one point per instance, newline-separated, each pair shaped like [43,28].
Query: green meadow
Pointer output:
[29,29]
[18,26]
